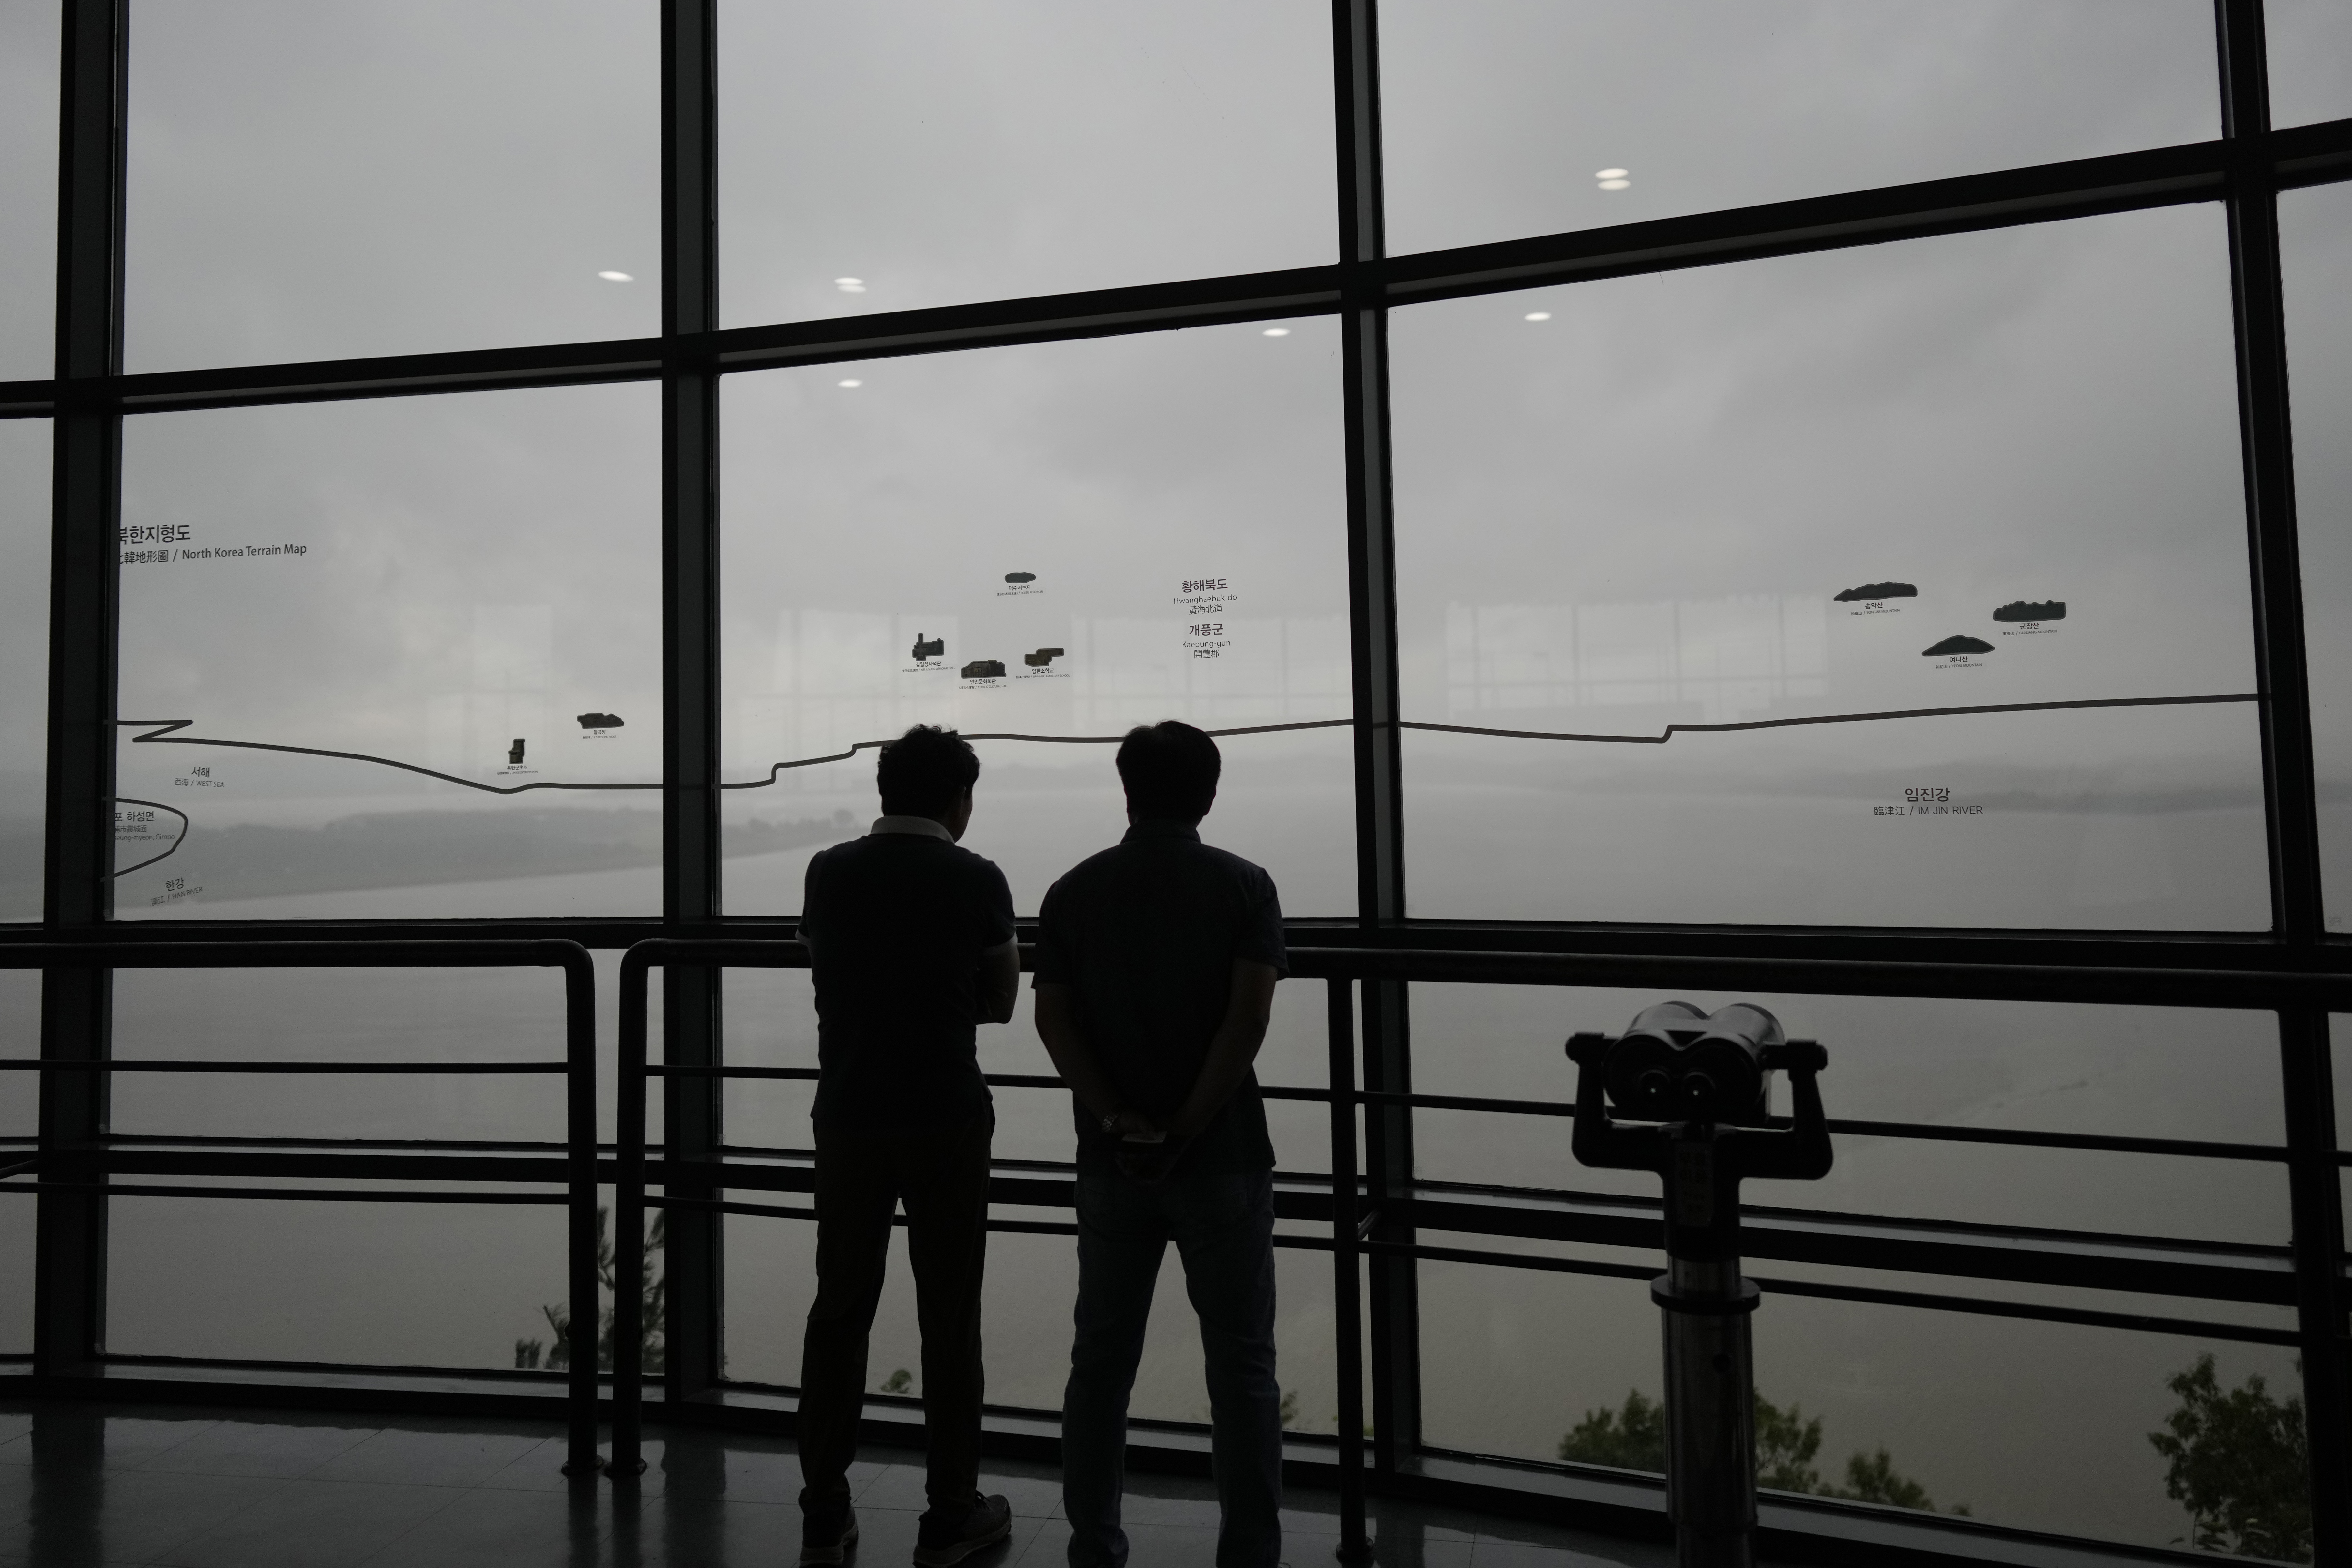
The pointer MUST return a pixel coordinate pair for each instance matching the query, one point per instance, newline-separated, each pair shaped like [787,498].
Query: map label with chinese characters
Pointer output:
[174,890]
[1206,639]
[1927,800]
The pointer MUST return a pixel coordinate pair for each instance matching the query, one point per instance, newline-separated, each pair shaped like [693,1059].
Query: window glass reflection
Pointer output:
[909,153]
[23,662]
[28,189]
[2316,267]
[1042,546]
[1814,495]
[312,181]
[396,657]
[1505,118]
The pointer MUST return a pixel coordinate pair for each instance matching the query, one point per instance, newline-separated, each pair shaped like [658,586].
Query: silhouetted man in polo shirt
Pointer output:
[1155,966]
[910,941]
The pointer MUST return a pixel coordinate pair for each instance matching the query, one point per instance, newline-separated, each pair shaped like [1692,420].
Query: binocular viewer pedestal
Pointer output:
[1696,1089]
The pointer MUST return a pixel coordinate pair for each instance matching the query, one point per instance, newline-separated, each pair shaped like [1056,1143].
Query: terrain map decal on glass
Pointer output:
[2030,619]
[1875,598]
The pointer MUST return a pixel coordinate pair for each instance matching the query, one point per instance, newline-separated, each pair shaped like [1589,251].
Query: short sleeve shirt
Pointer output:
[1145,935]
[896,923]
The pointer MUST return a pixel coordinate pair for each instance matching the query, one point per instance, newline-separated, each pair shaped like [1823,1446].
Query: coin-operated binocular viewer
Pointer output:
[1703,1082]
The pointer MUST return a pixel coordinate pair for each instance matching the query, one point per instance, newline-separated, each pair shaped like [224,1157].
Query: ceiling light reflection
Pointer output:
[850,285]
[1277,331]
[1608,174]
[1538,315]
[853,382]
[616,277]
[1614,184]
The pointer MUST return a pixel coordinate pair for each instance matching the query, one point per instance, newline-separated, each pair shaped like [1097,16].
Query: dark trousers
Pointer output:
[861,1177]
[1223,1226]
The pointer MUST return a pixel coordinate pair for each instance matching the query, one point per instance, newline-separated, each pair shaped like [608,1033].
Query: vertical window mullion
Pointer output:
[2315,1191]
[690,901]
[1373,622]
[69,1303]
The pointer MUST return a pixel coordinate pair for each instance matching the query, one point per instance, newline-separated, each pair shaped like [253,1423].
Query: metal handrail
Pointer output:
[578,1065]
[1339,968]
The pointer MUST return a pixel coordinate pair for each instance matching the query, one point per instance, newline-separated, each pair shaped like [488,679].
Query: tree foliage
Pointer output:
[1631,1440]
[1634,1437]
[1785,1446]
[2237,1460]
[652,1294]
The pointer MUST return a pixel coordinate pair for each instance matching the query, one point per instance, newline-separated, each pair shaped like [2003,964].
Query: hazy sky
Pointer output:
[28,186]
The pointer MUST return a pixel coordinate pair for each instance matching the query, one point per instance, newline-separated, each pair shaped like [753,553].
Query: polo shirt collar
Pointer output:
[922,826]
[1162,827]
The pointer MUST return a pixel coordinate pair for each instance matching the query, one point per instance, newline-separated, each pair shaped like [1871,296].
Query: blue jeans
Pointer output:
[1223,1226]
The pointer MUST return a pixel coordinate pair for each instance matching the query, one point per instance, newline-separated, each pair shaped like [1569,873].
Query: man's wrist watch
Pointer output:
[1110,1121]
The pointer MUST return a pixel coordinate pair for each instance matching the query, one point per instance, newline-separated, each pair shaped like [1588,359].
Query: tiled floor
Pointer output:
[84,1485]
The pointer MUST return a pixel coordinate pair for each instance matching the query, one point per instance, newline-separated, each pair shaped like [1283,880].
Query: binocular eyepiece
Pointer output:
[1678,1064]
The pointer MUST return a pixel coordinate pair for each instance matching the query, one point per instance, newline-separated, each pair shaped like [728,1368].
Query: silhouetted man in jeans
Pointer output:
[910,941]
[1156,967]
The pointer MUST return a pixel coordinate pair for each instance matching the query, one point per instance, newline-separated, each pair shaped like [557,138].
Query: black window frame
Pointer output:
[90,396]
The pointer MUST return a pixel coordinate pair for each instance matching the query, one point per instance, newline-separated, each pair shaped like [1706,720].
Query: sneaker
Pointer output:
[825,1539]
[947,1536]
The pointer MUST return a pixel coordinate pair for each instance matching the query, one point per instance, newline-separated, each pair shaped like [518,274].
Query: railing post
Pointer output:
[1346,1298]
[580,1132]
[629,1216]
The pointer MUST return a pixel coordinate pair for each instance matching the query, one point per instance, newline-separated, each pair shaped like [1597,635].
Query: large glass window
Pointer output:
[392,657]
[28,188]
[1042,546]
[23,662]
[318,181]
[911,153]
[1505,118]
[2315,234]
[1836,497]
[1893,587]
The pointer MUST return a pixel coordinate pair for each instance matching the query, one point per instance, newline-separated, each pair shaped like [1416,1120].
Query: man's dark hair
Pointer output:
[922,772]
[1170,770]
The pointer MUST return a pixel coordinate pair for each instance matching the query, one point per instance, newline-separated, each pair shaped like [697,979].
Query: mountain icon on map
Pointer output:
[1963,644]
[1042,658]
[600,720]
[2032,610]
[984,669]
[1880,591]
